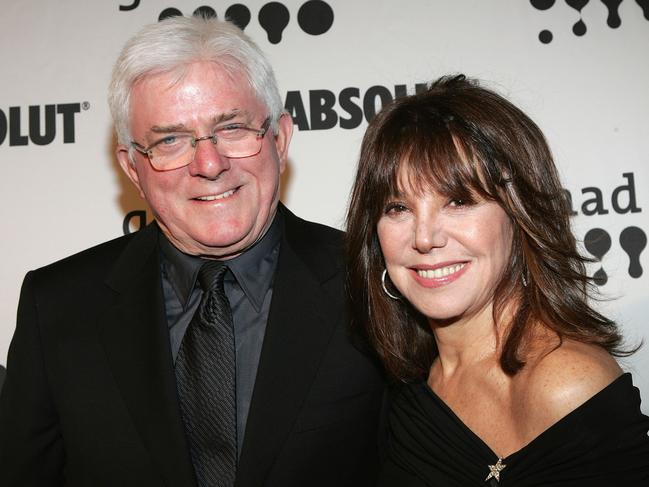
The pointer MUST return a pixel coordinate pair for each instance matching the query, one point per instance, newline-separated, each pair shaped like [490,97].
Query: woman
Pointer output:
[465,274]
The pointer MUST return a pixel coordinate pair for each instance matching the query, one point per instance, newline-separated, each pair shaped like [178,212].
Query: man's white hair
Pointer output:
[171,45]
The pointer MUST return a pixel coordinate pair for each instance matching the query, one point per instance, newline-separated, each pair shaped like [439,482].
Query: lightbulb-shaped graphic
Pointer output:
[274,17]
[633,241]
[613,19]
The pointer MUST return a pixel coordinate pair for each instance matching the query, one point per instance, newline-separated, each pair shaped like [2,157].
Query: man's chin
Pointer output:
[221,248]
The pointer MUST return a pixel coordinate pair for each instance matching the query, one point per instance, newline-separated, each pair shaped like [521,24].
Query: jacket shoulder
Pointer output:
[307,232]
[89,257]
[320,246]
[94,261]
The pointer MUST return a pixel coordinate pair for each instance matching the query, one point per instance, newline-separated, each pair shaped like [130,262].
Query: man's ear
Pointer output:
[128,166]
[283,138]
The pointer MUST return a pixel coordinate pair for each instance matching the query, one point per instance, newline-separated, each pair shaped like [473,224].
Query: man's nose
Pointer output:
[208,162]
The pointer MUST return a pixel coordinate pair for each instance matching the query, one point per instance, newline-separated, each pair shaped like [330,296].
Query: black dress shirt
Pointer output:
[249,288]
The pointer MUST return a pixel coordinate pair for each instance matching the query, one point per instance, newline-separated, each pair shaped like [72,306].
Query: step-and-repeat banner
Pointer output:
[579,68]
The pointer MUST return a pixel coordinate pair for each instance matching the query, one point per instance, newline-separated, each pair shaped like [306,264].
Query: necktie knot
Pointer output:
[214,308]
[211,274]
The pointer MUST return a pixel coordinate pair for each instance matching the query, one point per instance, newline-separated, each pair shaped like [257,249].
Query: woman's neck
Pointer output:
[468,341]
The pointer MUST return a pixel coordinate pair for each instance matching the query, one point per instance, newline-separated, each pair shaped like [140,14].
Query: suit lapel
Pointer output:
[298,330]
[136,341]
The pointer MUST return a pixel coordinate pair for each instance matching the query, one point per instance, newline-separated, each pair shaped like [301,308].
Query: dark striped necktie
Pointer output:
[205,375]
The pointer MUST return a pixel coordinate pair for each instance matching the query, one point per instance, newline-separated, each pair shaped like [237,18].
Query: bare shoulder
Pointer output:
[563,379]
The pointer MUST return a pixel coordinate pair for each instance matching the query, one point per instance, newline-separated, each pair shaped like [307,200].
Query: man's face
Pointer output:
[215,206]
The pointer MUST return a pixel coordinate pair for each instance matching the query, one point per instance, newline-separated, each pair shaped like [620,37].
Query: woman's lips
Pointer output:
[439,275]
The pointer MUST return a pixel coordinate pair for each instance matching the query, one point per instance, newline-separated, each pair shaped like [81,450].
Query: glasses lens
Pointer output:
[176,151]
[172,152]
[238,142]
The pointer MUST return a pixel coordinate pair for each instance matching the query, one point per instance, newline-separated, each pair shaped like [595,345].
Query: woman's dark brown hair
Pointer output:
[463,140]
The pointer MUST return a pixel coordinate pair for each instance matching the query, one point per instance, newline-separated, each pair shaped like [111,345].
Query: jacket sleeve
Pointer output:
[31,446]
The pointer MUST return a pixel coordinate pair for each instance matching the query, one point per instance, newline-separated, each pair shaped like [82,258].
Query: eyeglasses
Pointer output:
[173,151]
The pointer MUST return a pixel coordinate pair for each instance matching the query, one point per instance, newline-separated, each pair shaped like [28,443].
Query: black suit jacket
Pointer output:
[90,395]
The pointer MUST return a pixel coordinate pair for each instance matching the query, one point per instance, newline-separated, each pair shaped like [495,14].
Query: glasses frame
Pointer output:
[260,133]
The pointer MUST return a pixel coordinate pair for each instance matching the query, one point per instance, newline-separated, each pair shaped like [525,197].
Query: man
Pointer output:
[129,367]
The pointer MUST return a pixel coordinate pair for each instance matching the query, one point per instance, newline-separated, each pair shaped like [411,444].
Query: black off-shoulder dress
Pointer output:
[603,442]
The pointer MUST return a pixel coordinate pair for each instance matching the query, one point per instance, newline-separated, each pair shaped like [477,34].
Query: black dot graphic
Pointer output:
[315,17]
[545,36]
[577,4]
[205,12]
[239,15]
[579,29]
[169,12]
[542,4]
[600,278]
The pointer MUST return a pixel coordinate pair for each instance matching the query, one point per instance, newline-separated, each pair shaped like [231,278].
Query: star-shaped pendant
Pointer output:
[494,470]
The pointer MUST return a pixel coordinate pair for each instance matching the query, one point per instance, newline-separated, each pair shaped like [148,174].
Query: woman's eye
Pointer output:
[457,202]
[395,208]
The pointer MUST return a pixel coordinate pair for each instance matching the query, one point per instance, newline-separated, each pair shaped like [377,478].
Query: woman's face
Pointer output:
[445,256]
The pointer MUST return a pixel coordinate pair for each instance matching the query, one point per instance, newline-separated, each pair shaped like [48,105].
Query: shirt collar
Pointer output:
[253,270]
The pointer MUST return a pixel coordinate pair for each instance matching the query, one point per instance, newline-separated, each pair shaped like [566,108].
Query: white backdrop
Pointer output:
[335,61]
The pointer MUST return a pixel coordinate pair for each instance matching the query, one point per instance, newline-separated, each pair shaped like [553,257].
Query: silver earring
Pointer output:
[524,280]
[385,289]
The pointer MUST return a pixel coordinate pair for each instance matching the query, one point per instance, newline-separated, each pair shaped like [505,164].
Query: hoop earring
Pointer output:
[385,289]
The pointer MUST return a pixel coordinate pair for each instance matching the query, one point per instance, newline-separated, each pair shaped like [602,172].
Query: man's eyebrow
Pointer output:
[224,117]
[181,127]
[165,129]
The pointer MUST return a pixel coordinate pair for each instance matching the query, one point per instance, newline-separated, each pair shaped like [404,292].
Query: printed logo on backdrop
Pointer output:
[40,124]
[324,109]
[598,242]
[314,17]
[579,28]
